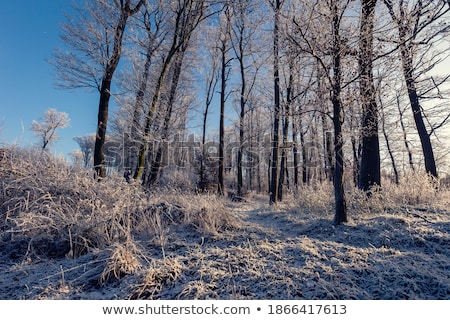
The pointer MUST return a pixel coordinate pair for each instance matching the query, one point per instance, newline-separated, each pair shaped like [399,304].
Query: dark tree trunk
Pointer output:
[157,163]
[370,173]
[284,170]
[427,148]
[188,16]
[99,154]
[356,150]
[295,150]
[276,118]
[223,87]
[304,155]
[407,24]
[105,89]
[340,215]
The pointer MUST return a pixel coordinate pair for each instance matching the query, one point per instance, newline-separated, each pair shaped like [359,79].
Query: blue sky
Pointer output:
[30,32]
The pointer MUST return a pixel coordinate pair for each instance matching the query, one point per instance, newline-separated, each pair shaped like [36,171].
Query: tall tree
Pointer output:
[98,35]
[411,21]
[274,172]
[338,117]
[242,30]
[151,25]
[370,172]
[187,15]
[328,54]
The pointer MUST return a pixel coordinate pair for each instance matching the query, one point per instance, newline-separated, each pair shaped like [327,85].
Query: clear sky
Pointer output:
[29,33]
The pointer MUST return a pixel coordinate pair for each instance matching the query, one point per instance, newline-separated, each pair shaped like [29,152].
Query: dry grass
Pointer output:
[63,235]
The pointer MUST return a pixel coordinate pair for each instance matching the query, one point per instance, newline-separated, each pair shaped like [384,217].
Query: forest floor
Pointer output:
[263,252]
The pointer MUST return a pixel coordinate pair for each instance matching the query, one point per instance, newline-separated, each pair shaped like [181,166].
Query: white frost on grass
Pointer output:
[65,236]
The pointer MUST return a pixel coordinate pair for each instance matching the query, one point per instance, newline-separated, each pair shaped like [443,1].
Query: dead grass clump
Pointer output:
[160,275]
[212,216]
[365,205]
[124,259]
[317,197]
[207,213]
[414,189]
[44,196]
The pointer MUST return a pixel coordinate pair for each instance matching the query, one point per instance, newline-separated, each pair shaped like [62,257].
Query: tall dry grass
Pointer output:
[50,208]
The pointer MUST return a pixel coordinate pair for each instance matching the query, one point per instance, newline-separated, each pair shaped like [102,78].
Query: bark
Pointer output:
[105,89]
[276,118]
[157,162]
[284,173]
[295,150]
[188,16]
[408,73]
[370,174]
[223,85]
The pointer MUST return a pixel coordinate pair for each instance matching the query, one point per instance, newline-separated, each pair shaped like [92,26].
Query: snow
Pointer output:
[65,236]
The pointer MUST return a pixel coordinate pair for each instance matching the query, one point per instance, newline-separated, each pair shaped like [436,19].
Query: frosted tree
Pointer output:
[95,39]
[86,144]
[49,123]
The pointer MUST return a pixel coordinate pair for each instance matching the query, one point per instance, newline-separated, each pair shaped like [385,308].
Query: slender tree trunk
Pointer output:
[405,138]
[188,16]
[388,145]
[295,150]
[304,152]
[105,94]
[407,31]
[157,163]
[284,171]
[276,118]
[240,179]
[370,174]
[223,87]
[427,148]
[356,162]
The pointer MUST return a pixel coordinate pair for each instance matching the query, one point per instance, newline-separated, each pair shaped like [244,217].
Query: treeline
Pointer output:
[284,92]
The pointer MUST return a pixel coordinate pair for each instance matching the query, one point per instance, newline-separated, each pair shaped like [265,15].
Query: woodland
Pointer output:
[244,149]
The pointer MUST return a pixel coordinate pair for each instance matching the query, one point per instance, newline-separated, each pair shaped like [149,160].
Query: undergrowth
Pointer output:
[118,240]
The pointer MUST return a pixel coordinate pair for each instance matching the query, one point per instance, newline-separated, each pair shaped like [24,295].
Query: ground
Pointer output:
[262,252]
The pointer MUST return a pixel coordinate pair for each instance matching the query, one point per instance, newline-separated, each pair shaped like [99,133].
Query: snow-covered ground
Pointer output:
[65,237]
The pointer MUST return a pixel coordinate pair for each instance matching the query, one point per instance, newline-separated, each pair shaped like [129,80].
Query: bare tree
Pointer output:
[49,123]
[328,53]
[96,40]
[418,26]
[223,48]
[212,77]
[274,172]
[86,144]
[187,15]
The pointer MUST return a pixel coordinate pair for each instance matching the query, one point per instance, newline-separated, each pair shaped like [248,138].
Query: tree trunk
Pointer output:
[405,138]
[276,119]
[223,86]
[370,174]
[388,145]
[99,155]
[156,164]
[427,148]
[105,89]
[295,150]
[340,215]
